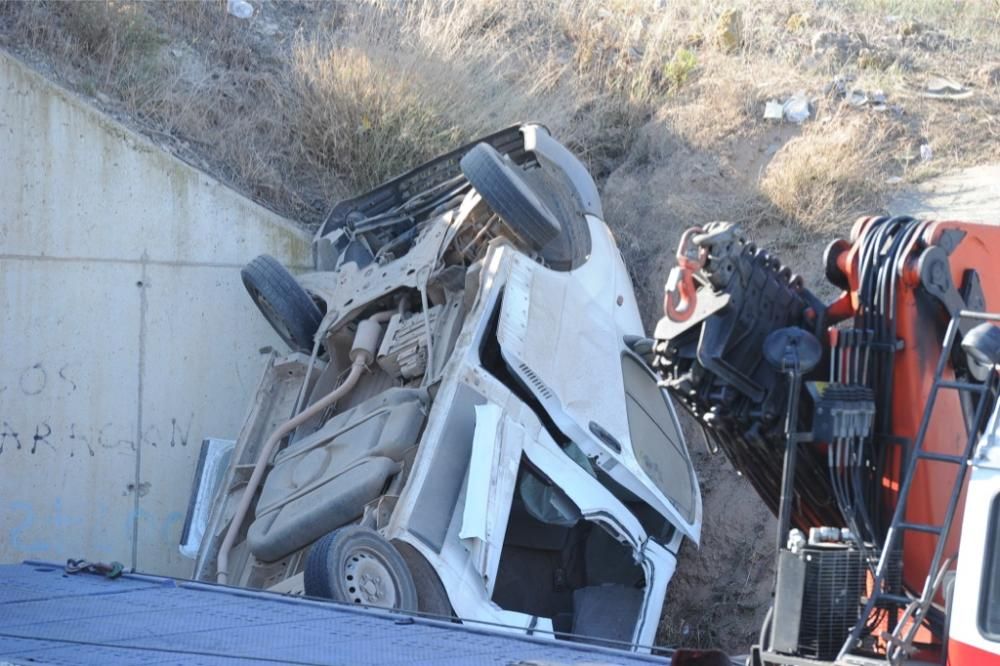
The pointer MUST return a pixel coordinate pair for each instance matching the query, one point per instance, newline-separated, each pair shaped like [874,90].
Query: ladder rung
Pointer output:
[942,457]
[920,527]
[962,386]
[892,598]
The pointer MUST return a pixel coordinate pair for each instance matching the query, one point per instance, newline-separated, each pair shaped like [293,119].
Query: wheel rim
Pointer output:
[368,580]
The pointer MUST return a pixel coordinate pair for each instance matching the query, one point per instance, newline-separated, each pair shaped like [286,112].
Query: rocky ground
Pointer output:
[791,118]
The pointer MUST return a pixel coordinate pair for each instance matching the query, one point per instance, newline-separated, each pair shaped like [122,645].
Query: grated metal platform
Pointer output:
[50,617]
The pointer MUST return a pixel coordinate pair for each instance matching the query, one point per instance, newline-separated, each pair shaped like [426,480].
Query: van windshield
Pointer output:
[656,439]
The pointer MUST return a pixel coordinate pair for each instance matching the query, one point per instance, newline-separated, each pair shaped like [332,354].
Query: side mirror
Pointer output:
[982,349]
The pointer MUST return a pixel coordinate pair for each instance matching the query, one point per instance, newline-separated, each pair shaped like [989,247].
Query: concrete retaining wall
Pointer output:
[125,333]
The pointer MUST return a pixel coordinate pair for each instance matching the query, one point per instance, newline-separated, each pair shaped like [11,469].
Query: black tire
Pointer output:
[355,565]
[510,196]
[432,598]
[283,302]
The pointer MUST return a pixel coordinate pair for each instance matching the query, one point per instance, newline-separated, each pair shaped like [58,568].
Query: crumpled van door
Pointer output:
[562,334]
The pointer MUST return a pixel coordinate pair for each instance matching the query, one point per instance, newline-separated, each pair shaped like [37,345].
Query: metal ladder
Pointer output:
[900,640]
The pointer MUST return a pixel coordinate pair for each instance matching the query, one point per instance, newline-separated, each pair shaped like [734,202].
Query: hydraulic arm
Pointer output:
[878,422]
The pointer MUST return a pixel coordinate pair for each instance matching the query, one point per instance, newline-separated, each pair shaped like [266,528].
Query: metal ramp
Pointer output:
[50,617]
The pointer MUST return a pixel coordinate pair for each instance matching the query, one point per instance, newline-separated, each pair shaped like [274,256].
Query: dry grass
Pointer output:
[365,90]
[115,39]
[359,114]
[975,19]
[371,100]
[828,174]
[361,94]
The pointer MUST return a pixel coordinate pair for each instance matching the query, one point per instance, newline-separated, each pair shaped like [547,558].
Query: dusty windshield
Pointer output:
[656,438]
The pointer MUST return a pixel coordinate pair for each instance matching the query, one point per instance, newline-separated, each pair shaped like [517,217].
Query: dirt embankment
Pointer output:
[304,103]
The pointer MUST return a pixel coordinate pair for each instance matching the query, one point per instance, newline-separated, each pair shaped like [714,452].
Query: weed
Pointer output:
[364,114]
[680,67]
[828,175]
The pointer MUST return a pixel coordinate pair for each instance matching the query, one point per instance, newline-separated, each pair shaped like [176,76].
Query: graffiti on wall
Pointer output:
[45,420]
[57,383]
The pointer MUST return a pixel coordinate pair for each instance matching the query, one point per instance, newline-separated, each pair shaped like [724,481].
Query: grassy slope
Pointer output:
[306,103]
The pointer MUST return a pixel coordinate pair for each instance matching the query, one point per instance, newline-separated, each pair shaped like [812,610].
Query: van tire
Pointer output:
[501,186]
[356,565]
[284,303]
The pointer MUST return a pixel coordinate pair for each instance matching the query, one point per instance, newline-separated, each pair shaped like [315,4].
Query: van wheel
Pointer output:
[356,565]
[431,595]
[499,184]
[283,302]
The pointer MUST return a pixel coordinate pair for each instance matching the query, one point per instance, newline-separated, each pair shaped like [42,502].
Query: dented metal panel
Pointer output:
[496,455]
[563,334]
